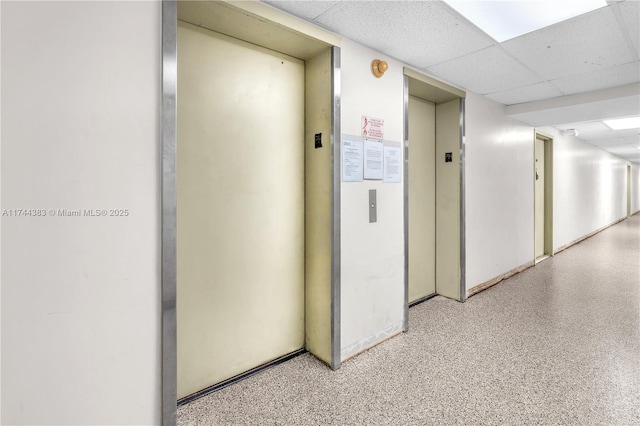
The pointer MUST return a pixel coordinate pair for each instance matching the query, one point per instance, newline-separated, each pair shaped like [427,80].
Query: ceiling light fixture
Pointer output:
[623,123]
[572,132]
[504,20]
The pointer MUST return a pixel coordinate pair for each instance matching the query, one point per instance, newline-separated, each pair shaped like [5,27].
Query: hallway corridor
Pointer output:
[556,344]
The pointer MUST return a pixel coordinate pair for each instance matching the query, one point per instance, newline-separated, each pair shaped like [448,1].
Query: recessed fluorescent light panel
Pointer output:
[504,20]
[623,123]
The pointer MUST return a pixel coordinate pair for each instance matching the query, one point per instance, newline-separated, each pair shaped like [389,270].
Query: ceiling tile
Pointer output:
[487,71]
[614,141]
[629,157]
[628,150]
[587,111]
[530,93]
[419,33]
[589,42]
[631,15]
[309,10]
[600,79]
[598,133]
[624,149]
[585,127]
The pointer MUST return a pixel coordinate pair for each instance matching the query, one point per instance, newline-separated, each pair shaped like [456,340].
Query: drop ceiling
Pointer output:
[569,75]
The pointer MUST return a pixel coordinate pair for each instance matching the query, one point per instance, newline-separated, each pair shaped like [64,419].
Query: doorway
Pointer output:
[254,146]
[628,190]
[434,190]
[543,197]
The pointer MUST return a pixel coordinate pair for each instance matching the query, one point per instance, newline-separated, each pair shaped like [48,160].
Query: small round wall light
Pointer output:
[379,67]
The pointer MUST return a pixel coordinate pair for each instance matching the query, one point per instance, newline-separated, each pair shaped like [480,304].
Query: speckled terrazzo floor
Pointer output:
[557,344]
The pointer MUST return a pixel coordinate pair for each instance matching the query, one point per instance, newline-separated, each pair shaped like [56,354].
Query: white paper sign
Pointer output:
[372,127]
[352,161]
[373,160]
[392,164]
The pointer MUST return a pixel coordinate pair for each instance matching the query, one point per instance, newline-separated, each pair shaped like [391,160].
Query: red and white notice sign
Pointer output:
[372,127]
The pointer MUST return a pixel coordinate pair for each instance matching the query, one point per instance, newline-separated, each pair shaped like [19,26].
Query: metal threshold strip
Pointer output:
[235,379]
[422,299]
[541,258]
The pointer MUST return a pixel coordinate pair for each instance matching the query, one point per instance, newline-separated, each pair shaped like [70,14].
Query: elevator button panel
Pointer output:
[373,206]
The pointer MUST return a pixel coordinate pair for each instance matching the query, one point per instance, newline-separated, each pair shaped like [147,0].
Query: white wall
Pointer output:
[590,188]
[0,212]
[372,254]
[589,193]
[499,191]
[81,295]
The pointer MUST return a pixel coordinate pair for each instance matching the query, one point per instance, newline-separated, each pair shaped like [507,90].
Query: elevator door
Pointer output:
[422,199]
[539,199]
[240,189]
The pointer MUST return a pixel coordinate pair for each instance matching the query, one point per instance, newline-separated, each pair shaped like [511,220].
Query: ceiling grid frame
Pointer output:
[596,53]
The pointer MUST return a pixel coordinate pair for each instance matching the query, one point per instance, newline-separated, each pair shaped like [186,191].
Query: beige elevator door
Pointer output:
[539,199]
[422,198]
[240,236]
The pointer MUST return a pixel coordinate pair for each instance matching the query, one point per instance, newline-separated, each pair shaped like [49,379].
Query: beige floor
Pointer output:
[556,344]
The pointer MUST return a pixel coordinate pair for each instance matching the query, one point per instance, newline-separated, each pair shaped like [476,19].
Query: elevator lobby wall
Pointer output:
[499,191]
[590,188]
[372,254]
[589,191]
[81,123]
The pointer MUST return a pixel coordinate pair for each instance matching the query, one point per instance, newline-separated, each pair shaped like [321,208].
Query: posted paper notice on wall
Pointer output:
[352,160]
[373,152]
[372,127]
[392,163]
